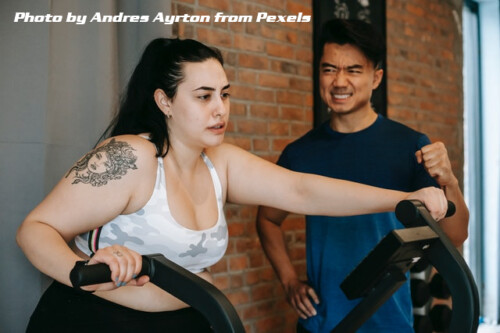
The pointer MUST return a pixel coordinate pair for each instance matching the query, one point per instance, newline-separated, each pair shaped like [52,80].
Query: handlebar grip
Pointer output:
[84,275]
[451,209]
[407,211]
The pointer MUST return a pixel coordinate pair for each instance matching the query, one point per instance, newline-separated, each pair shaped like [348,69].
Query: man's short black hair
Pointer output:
[357,33]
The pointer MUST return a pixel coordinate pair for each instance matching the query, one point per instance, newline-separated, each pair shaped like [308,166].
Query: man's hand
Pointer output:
[435,160]
[299,295]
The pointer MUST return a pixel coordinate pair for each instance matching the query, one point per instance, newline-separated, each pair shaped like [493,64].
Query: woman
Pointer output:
[158,184]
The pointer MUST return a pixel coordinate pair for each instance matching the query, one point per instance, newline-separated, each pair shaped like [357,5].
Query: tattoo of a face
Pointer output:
[108,162]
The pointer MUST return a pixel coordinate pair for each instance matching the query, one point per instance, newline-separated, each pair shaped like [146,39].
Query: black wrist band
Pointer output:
[73,273]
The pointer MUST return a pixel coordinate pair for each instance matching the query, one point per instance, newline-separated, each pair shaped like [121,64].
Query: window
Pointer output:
[481,35]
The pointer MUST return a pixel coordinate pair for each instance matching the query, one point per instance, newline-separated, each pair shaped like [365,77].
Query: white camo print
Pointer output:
[153,229]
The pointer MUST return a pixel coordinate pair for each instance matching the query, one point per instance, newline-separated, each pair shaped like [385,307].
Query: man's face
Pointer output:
[347,79]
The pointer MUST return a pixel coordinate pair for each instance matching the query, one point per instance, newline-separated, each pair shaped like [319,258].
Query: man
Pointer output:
[359,145]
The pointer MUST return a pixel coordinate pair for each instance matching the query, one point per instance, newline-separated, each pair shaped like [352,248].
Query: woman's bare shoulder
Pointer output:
[113,159]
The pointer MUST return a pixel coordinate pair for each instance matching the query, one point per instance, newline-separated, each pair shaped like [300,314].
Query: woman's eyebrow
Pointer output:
[204,88]
[211,88]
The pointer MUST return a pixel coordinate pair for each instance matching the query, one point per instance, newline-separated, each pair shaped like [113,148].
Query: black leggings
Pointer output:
[63,309]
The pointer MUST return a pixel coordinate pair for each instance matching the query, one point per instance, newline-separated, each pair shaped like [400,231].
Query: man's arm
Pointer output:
[299,294]
[437,163]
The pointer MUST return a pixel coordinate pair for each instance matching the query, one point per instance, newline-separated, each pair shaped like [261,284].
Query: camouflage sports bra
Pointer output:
[152,229]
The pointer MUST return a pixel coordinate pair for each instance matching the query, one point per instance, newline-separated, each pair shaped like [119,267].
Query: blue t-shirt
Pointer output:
[381,155]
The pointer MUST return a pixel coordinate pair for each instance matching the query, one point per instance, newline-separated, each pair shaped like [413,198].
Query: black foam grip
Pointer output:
[408,213]
[451,209]
[84,275]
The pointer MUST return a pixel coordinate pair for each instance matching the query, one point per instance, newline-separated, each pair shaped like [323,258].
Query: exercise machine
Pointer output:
[384,270]
[374,280]
[178,281]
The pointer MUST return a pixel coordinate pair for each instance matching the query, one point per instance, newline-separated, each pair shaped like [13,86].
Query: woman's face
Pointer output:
[200,108]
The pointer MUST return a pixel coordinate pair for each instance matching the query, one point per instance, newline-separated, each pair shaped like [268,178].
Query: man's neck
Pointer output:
[353,121]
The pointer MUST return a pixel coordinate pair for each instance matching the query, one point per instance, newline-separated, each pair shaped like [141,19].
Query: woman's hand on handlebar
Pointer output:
[125,265]
[434,200]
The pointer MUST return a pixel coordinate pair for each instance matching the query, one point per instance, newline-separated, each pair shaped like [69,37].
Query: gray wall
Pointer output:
[59,83]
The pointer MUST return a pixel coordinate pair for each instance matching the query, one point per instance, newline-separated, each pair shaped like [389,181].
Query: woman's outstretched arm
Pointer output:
[253,180]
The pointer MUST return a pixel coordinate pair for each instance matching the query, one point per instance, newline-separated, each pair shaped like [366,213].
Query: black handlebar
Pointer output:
[444,256]
[100,273]
[179,282]
[408,212]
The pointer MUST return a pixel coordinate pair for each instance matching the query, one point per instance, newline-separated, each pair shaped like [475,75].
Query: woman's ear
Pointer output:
[163,102]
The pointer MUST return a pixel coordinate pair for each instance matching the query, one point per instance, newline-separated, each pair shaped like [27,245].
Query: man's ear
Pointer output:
[377,78]
[163,102]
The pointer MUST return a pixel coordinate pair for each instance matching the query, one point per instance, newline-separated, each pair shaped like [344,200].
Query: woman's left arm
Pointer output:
[253,180]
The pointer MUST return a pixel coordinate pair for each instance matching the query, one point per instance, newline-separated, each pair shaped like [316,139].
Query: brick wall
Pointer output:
[269,66]
[424,47]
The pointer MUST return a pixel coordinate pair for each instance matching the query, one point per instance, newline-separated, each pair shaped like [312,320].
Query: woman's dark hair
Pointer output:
[160,67]
[357,33]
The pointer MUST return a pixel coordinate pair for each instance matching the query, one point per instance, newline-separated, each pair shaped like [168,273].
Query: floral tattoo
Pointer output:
[108,162]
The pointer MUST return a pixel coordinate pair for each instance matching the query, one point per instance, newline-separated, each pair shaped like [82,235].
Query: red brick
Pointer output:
[292,113]
[247,244]
[241,142]
[269,323]
[291,37]
[260,144]
[252,277]
[295,8]
[261,309]
[279,128]
[277,4]
[280,144]
[305,70]
[264,111]
[285,67]
[300,129]
[256,259]
[239,109]
[242,92]
[249,43]
[236,229]
[238,263]
[293,222]
[272,80]
[248,212]
[246,126]
[280,50]
[247,76]
[236,280]
[304,54]
[297,253]
[253,61]
[214,37]
[238,297]
[219,5]
[273,32]
[262,291]
[301,84]
[220,266]
[221,282]
[265,95]
[290,98]
[416,11]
